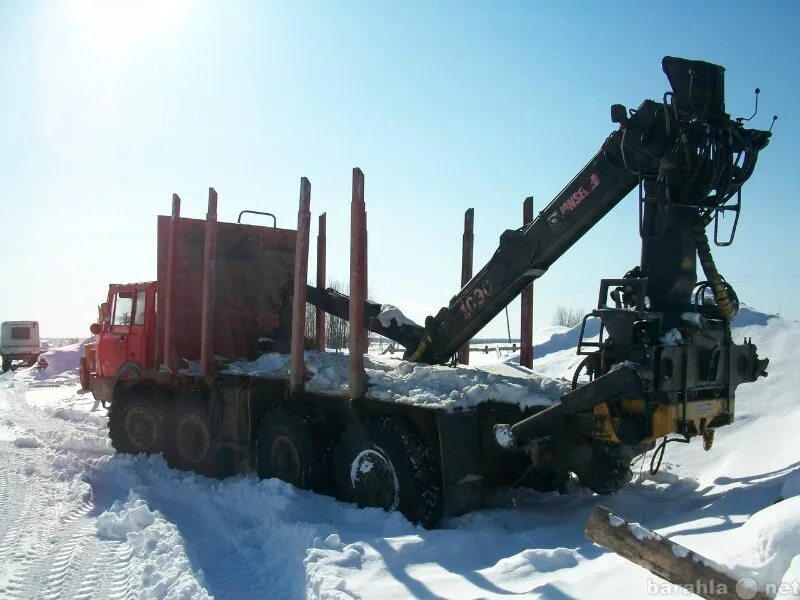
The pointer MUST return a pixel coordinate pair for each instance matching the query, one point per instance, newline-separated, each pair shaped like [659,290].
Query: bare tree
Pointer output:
[337,330]
[567,317]
[311,322]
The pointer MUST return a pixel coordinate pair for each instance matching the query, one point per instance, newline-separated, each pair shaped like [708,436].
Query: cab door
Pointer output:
[136,345]
[123,339]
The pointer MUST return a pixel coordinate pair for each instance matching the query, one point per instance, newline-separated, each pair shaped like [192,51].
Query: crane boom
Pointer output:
[688,158]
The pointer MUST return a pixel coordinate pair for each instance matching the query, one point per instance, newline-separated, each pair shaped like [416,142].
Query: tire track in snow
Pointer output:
[26,548]
[73,541]
[9,498]
[228,572]
[48,543]
[109,574]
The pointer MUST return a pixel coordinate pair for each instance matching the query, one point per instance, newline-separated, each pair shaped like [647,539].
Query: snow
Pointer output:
[680,551]
[615,521]
[672,338]
[791,486]
[76,521]
[432,386]
[693,318]
[391,313]
[641,533]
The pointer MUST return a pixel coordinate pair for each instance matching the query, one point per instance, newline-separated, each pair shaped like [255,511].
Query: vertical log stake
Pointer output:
[467,243]
[299,298]
[526,317]
[169,291]
[319,343]
[207,362]
[358,287]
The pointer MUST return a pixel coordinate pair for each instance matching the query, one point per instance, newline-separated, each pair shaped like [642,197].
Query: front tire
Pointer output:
[136,422]
[386,464]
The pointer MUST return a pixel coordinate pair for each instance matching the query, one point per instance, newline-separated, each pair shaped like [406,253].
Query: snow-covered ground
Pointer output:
[77,521]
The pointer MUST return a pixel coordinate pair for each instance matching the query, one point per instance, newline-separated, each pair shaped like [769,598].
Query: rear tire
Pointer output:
[293,447]
[191,443]
[386,464]
[136,422]
[6,364]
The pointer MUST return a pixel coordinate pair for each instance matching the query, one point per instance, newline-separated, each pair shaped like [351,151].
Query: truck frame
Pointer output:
[665,363]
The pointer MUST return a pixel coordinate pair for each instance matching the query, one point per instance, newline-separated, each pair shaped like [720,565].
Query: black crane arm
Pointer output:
[689,158]
[525,254]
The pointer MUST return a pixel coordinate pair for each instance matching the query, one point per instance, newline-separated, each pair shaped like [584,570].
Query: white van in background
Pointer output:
[19,340]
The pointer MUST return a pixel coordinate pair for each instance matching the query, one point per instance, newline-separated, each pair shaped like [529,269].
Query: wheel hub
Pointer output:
[374,480]
[141,428]
[193,438]
[285,460]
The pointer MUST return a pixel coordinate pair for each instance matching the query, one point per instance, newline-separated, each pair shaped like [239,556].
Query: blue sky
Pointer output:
[106,109]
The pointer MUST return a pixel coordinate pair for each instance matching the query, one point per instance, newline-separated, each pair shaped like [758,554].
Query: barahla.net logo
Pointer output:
[746,588]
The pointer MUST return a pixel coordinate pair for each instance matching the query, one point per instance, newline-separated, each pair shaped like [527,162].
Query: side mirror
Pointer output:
[95,328]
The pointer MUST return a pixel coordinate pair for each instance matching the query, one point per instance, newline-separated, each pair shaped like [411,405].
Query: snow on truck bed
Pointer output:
[432,386]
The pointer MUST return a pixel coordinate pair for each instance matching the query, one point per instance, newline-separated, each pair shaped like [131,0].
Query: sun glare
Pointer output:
[117,26]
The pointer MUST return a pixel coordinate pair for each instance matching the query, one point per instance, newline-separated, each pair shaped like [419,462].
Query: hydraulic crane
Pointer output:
[665,362]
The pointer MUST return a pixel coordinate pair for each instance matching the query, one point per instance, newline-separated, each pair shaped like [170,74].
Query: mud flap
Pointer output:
[460,450]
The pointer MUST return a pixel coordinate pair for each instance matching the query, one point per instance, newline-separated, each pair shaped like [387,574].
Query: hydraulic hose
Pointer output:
[718,286]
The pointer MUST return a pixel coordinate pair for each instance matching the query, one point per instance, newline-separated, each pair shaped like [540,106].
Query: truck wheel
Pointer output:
[85,374]
[6,364]
[607,469]
[545,480]
[136,422]
[191,443]
[292,447]
[387,464]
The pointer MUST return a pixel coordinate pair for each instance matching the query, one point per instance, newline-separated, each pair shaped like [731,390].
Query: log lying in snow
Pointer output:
[670,561]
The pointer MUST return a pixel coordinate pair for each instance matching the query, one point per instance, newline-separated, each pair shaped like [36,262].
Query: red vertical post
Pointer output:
[169,334]
[467,243]
[207,362]
[358,287]
[321,257]
[526,317]
[365,269]
[300,277]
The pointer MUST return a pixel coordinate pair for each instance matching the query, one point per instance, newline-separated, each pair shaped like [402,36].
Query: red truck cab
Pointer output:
[126,341]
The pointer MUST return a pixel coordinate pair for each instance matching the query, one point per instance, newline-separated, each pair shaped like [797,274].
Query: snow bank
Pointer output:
[120,520]
[166,570]
[65,359]
[62,366]
[769,542]
[791,487]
